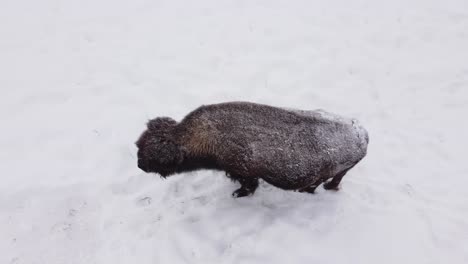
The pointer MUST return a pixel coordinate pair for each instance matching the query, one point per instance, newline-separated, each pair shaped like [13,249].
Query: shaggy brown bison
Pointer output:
[290,149]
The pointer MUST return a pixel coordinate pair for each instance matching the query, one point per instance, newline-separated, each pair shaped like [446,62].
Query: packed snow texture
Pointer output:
[79,80]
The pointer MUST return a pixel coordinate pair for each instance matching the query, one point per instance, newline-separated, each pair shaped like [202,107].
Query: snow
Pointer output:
[79,80]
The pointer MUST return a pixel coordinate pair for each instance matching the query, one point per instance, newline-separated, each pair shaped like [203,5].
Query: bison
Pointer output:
[290,149]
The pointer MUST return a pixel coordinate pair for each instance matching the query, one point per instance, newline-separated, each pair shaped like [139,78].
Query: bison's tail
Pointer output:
[361,133]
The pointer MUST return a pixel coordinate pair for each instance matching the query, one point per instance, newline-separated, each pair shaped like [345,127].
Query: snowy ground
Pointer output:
[79,79]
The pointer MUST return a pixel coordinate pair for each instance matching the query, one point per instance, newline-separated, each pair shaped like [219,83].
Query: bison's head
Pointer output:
[157,150]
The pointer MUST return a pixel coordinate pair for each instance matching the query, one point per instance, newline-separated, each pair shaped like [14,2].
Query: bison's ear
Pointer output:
[161,123]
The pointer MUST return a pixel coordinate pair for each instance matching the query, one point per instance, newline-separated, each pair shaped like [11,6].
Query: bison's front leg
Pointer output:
[248,187]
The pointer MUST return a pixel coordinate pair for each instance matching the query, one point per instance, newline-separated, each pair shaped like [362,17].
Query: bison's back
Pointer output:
[319,146]
[287,148]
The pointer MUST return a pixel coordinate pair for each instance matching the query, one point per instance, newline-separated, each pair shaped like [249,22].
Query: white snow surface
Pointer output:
[79,80]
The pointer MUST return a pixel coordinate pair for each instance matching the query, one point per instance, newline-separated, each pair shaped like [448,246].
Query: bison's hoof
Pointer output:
[241,193]
[331,186]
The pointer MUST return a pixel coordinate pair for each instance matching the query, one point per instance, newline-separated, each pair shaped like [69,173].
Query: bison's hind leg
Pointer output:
[335,181]
[311,188]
